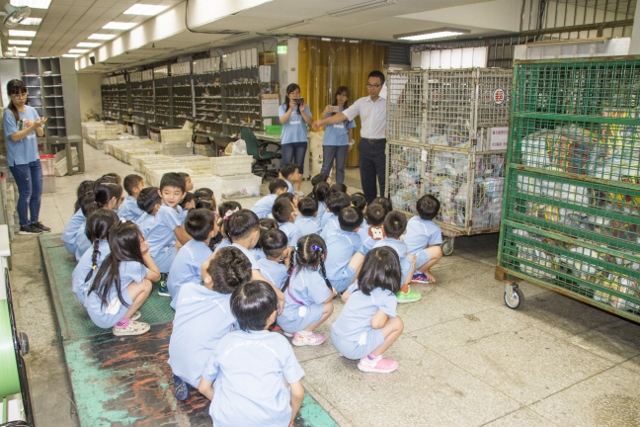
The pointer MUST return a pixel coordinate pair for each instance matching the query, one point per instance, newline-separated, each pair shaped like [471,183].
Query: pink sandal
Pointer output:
[378,365]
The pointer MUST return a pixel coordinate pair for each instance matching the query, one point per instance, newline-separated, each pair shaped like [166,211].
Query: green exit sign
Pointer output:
[282,50]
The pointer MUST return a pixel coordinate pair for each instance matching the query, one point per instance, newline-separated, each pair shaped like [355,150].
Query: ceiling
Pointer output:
[68,22]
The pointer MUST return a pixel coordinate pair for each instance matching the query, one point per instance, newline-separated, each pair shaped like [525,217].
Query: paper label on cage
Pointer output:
[498,138]
[423,156]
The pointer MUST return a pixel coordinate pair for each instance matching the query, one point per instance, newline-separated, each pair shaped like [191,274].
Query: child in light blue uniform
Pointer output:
[263,207]
[149,202]
[276,264]
[307,220]
[320,193]
[84,194]
[129,209]
[98,225]
[167,227]
[255,372]
[345,254]
[395,225]
[186,266]
[337,137]
[225,210]
[308,294]
[374,231]
[336,201]
[368,324]
[130,265]
[284,212]
[203,316]
[424,238]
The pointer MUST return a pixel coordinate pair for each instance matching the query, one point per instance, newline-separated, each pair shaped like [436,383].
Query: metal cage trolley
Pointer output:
[447,135]
[571,212]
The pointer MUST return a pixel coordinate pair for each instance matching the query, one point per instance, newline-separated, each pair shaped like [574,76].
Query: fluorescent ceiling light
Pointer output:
[145,9]
[31,21]
[100,36]
[78,50]
[289,26]
[21,54]
[430,35]
[20,42]
[71,55]
[88,44]
[33,4]
[22,49]
[21,33]
[373,4]
[119,25]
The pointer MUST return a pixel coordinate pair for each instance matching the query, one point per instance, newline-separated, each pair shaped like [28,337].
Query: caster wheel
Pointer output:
[513,297]
[447,246]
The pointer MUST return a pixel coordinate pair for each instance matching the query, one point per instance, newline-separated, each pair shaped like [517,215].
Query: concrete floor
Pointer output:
[465,358]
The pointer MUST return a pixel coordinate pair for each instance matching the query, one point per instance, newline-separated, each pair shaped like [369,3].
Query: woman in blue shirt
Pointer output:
[21,125]
[337,137]
[294,118]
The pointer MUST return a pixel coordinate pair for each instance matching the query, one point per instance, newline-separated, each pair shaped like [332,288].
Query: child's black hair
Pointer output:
[318,178]
[395,223]
[131,182]
[111,177]
[188,197]
[98,224]
[287,195]
[252,304]
[309,252]
[375,214]
[84,188]
[184,175]
[199,224]
[203,193]
[88,204]
[338,187]
[273,243]
[337,201]
[358,201]
[229,269]
[124,241]
[384,202]
[173,179]
[320,191]
[308,206]
[381,269]
[103,192]
[268,224]
[289,169]
[428,207]
[148,199]
[241,223]
[205,204]
[225,210]
[350,218]
[276,185]
[282,210]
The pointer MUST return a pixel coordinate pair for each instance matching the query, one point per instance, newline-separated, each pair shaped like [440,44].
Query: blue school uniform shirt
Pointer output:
[129,209]
[421,233]
[144,223]
[258,253]
[355,318]
[322,209]
[78,283]
[24,151]
[307,224]
[249,254]
[247,369]
[186,267]
[341,245]
[329,222]
[114,311]
[263,207]
[71,229]
[223,244]
[161,237]
[290,189]
[274,272]
[401,249]
[295,130]
[82,242]
[203,316]
[292,231]
[306,288]
[337,134]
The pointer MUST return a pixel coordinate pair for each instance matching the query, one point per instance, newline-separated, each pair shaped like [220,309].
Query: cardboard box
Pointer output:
[267,58]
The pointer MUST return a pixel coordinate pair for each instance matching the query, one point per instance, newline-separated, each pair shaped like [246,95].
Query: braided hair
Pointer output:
[309,252]
[98,224]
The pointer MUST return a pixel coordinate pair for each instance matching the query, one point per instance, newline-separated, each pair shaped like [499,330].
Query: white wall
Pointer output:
[89,93]
[634,48]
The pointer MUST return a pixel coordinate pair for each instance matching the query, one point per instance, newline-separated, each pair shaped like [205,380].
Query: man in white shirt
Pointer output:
[372,110]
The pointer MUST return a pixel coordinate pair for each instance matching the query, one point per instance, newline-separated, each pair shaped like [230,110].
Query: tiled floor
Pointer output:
[465,358]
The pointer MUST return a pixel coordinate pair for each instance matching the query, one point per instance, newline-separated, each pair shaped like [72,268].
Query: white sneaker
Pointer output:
[134,328]
[300,340]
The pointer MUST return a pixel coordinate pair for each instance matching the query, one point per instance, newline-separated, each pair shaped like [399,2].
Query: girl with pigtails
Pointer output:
[98,224]
[307,292]
[123,282]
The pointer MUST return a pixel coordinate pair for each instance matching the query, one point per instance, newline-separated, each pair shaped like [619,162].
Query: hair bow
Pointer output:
[316,248]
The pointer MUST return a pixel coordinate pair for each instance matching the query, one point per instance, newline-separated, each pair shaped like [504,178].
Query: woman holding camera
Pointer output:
[294,115]
[338,138]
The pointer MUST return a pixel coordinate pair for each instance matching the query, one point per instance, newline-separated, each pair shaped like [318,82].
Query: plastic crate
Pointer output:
[48,164]
[234,187]
[170,136]
[231,165]
[273,129]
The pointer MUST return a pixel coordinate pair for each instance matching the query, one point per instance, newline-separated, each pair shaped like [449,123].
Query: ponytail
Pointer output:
[290,269]
[323,272]
[94,259]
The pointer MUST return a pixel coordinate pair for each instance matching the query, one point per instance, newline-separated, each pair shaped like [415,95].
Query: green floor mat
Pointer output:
[72,317]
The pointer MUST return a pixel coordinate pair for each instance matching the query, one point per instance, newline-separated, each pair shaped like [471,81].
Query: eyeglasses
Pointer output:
[370,85]
[20,95]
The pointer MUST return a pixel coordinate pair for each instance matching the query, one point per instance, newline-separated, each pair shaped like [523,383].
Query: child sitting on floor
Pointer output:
[225,210]
[345,254]
[336,201]
[424,238]
[149,202]
[277,250]
[291,175]
[307,220]
[285,213]
[374,231]
[84,190]
[129,209]
[263,207]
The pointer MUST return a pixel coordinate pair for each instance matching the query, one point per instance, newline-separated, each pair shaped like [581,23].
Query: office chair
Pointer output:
[263,158]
